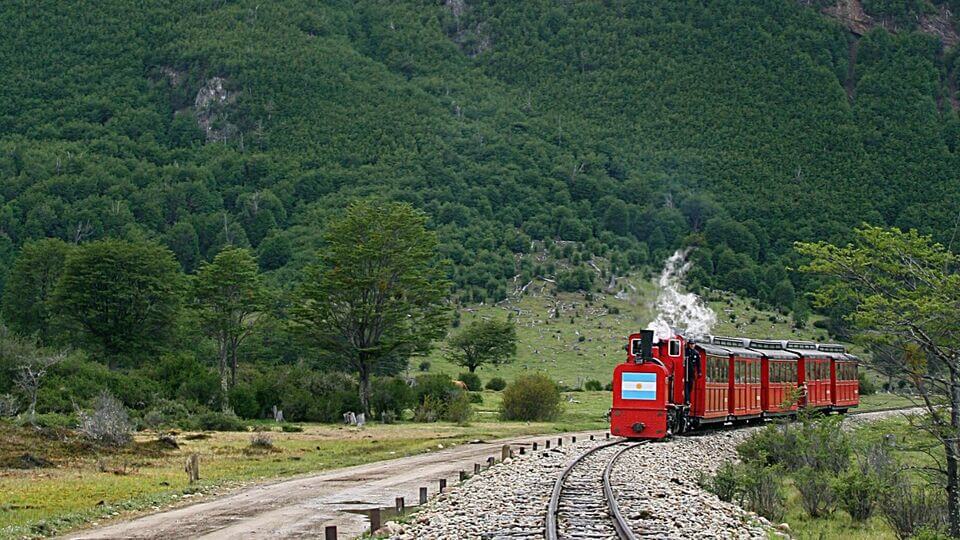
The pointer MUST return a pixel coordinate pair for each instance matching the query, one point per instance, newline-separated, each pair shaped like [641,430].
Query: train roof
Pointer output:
[811,349]
[771,348]
[728,345]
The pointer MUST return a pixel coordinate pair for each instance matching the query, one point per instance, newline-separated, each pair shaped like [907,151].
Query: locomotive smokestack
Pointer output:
[646,345]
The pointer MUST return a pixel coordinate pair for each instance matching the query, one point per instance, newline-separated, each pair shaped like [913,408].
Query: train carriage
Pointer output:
[844,385]
[743,378]
[814,371]
[779,377]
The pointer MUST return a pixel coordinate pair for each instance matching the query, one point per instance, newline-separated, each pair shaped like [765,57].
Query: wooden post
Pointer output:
[476,468]
[559,442]
[193,467]
[330,532]
[591,437]
[463,475]
[504,452]
[490,461]
[400,504]
[443,484]
[423,495]
[523,450]
[573,439]
[607,435]
[534,446]
[546,444]
[374,520]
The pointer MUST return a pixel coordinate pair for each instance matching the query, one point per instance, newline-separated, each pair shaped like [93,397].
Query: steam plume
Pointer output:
[684,312]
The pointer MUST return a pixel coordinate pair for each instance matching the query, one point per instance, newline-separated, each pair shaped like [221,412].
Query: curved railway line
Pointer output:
[582,504]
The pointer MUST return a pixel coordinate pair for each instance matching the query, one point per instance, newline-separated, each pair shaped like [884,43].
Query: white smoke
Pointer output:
[683,312]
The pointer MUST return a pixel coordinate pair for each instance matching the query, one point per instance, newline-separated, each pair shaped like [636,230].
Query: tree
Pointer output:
[483,342]
[378,292]
[120,297]
[905,290]
[30,287]
[230,302]
[31,365]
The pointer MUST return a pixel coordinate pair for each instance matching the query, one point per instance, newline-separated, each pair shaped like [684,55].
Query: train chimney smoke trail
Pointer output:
[684,312]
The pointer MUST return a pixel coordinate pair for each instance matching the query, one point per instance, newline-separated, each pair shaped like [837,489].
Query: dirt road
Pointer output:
[302,507]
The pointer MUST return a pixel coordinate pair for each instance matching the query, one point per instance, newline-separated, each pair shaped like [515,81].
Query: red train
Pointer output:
[675,385]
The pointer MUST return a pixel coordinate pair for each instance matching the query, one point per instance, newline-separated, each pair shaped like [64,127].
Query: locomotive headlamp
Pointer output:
[638,427]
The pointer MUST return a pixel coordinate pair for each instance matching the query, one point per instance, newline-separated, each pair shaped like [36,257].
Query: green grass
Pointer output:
[876,402]
[552,344]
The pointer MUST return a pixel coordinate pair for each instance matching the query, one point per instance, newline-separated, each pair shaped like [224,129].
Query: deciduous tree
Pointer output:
[120,298]
[906,290]
[30,286]
[378,292]
[230,301]
[483,342]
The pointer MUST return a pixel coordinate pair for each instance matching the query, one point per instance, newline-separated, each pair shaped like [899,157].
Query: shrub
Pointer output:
[816,492]
[437,386]
[857,494]
[475,397]
[390,395]
[49,420]
[608,387]
[424,366]
[262,440]
[472,380]
[910,509]
[108,423]
[243,401]
[165,413]
[458,410]
[429,410]
[762,492]
[531,397]
[496,384]
[866,385]
[726,483]
[593,386]
[818,443]
[215,421]
[8,405]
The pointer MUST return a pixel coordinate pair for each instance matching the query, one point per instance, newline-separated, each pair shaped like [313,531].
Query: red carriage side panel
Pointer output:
[711,395]
[745,385]
[844,385]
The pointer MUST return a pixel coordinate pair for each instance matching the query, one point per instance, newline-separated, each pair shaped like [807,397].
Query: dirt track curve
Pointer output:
[301,507]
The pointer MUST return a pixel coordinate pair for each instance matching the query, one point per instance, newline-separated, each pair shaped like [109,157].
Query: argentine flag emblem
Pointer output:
[638,386]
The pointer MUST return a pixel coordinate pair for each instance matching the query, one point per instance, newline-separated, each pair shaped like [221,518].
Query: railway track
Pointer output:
[582,504]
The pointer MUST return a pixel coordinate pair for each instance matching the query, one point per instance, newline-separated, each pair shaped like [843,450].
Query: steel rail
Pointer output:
[619,523]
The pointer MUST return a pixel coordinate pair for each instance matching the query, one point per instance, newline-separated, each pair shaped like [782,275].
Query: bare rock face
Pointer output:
[211,109]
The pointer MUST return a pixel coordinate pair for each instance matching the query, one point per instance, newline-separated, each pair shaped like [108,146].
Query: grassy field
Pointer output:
[575,339]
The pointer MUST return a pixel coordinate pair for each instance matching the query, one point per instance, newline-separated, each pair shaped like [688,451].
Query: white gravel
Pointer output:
[655,483]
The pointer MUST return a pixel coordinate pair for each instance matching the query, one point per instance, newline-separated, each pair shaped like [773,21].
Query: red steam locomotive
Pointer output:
[676,385]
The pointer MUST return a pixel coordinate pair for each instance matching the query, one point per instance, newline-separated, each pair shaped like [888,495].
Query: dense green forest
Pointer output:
[616,130]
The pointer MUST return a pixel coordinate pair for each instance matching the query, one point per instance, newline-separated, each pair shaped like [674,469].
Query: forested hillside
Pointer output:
[629,128]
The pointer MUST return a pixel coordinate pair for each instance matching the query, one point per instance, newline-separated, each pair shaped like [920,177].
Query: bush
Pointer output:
[243,401]
[390,395]
[857,494]
[215,421]
[458,410]
[429,410]
[165,413]
[866,385]
[910,510]
[593,386]
[817,443]
[424,366]
[261,440]
[531,397]
[762,492]
[108,423]
[472,380]
[475,397]
[50,420]
[816,492]
[726,483]
[496,384]
[437,386]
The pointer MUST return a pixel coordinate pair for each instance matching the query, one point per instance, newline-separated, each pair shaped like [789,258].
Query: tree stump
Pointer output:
[193,467]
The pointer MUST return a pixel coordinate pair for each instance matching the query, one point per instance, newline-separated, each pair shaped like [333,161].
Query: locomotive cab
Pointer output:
[641,391]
